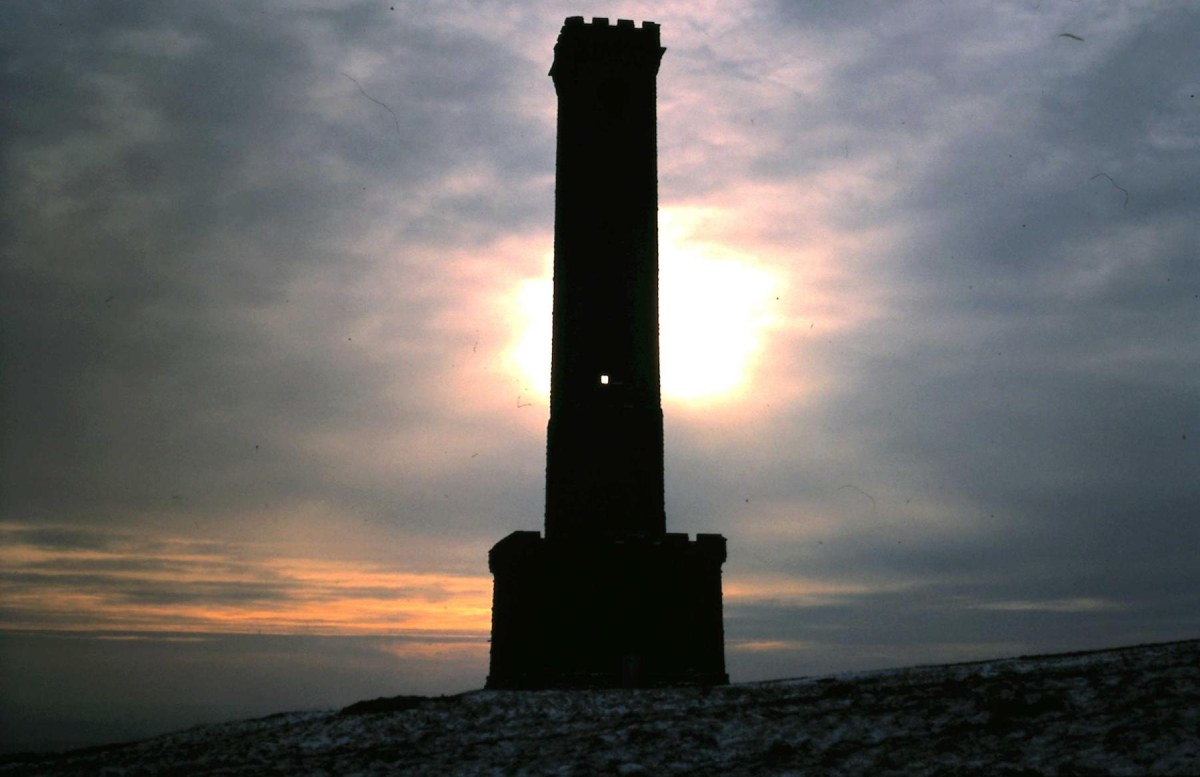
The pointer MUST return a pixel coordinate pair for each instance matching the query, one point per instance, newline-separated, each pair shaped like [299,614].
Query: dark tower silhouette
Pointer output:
[608,597]
[604,463]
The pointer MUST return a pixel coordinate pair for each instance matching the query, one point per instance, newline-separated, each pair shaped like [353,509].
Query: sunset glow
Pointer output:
[230,591]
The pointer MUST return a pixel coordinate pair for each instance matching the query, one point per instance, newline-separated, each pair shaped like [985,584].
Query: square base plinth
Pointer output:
[607,613]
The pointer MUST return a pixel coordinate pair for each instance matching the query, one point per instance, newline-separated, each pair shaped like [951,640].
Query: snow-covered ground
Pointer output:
[1125,711]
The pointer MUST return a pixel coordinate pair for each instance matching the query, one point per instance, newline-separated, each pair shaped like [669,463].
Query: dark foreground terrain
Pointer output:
[1124,711]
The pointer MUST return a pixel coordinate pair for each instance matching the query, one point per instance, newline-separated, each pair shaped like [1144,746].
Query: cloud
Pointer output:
[113,581]
[225,271]
[262,273]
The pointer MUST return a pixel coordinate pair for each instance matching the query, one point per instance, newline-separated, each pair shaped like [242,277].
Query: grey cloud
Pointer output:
[1033,354]
[175,174]
[135,591]
[57,537]
[943,622]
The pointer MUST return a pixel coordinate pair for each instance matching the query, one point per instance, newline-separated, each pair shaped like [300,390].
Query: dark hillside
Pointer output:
[1124,711]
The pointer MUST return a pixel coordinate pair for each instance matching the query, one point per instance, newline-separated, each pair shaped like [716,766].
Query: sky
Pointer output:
[275,294]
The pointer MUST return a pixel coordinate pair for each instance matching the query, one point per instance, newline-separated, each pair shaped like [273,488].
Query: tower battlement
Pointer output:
[581,42]
[600,22]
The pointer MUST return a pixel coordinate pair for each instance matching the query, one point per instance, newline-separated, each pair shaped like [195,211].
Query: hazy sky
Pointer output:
[275,341]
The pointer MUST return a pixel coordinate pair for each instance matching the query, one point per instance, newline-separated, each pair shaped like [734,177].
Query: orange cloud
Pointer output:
[164,585]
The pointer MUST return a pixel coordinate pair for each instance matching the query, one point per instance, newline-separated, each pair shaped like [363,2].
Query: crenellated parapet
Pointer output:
[582,45]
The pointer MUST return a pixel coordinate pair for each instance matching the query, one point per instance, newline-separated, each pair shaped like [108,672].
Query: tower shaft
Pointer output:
[604,460]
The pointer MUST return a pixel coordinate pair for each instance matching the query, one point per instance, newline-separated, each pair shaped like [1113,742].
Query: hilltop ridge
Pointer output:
[1133,710]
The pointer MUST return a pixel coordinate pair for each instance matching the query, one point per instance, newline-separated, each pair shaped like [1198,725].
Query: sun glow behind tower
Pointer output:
[717,308]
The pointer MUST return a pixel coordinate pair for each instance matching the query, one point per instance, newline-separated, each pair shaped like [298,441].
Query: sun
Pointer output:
[531,355]
[716,311]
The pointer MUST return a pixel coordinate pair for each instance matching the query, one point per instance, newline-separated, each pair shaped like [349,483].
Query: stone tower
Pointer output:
[607,597]
[604,464]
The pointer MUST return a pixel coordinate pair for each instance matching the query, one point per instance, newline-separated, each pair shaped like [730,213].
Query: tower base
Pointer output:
[606,613]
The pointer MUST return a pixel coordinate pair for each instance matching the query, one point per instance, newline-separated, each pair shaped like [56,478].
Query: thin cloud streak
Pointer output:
[116,583]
